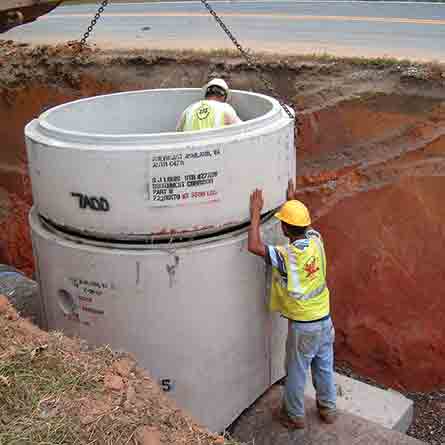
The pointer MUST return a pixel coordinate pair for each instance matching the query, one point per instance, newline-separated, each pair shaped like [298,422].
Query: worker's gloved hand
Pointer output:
[256,203]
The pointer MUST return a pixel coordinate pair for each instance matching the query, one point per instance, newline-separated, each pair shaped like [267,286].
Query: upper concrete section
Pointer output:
[121,171]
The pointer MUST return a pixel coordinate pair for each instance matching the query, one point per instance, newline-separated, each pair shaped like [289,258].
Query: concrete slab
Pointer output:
[257,426]
[384,407]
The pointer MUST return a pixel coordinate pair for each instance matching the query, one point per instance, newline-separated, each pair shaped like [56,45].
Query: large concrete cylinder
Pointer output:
[113,166]
[193,313]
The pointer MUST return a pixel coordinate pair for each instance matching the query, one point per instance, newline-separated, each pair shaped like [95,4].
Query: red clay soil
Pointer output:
[382,220]
[370,166]
[15,236]
[386,271]
[17,110]
[358,122]
[18,107]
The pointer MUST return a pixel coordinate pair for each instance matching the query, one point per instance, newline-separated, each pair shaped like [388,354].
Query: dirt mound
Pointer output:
[55,390]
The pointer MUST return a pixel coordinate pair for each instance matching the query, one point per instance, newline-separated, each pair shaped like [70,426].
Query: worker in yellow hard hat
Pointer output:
[300,293]
[211,112]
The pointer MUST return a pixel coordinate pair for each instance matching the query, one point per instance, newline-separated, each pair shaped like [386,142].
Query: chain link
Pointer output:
[93,23]
[248,57]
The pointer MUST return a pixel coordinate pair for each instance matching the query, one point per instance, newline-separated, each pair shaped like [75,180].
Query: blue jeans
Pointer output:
[309,344]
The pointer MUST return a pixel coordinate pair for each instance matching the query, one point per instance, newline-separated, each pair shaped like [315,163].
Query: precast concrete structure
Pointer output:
[121,171]
[140,239]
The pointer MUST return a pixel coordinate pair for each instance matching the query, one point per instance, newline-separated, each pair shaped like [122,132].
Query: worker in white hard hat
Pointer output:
[300,293]
[212,112]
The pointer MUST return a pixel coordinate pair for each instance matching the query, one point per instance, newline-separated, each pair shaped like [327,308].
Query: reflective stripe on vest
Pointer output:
[303,294]
[204,114]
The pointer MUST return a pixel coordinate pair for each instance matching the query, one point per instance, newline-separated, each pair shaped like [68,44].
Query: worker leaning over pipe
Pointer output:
[299,292]
[212,112]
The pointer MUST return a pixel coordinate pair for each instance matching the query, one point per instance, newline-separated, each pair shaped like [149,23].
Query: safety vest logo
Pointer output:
[311,268]
[203,112]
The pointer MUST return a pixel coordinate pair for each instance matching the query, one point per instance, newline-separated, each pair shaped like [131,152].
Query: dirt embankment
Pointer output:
[55,390]
[370,165]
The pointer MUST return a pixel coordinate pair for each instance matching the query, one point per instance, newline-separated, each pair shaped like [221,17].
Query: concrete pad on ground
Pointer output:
[385,407]
[257,425]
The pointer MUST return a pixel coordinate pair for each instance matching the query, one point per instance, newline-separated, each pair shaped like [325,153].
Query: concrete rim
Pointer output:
[41,126]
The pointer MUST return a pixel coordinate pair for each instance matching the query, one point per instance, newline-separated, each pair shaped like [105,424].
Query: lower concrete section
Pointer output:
[258,426]
[386,408]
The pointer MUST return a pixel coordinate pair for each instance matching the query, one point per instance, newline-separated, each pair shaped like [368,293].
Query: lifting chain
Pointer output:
[93,23]
[248,57]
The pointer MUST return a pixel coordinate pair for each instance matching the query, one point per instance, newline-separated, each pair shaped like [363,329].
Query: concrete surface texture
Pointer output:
[258,426]
[386,408]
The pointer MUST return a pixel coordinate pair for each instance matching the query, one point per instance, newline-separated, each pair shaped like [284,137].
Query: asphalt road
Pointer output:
[406,30]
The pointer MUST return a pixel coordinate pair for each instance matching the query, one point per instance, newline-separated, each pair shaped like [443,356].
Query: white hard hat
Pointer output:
[221,83]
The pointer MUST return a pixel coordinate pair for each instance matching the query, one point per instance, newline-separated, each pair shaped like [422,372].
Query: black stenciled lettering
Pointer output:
[87,202]
[94,203]
[104,204]
[98,204]
[76,195]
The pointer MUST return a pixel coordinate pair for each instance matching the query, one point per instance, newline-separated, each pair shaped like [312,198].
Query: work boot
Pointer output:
[327,415]
[292,423]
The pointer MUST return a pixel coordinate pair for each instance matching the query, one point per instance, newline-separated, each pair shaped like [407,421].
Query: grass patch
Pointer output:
[37,386]
[262,58]
[379,62]
[54,392]
[372,62]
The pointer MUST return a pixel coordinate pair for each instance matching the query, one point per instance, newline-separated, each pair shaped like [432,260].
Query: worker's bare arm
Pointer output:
[180,125]
[255,243]
[231,117]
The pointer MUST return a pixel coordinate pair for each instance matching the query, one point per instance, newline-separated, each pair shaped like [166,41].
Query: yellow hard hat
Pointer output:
[294,213]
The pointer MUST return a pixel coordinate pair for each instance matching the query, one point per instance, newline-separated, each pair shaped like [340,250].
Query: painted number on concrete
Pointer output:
[185,177]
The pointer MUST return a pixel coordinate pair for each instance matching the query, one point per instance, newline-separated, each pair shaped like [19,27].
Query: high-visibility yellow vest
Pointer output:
[303,294]
[204,114]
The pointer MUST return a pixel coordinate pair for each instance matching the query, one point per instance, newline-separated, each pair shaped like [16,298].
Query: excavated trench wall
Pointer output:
[370,167]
